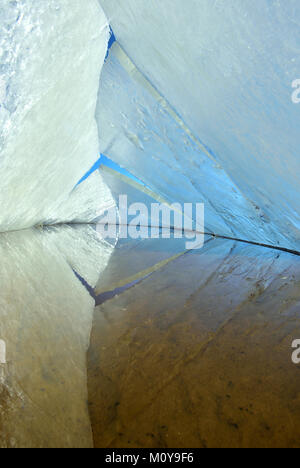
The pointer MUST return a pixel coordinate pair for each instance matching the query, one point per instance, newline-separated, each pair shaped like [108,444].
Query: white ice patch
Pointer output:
[51,55]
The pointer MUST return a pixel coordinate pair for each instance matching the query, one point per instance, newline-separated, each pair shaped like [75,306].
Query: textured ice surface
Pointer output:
[226,68]
[137,128]
[45,322]
[199,353]
[83,249]
[133,260]
[86,203]
[51,54]
[137,132]
[137,194]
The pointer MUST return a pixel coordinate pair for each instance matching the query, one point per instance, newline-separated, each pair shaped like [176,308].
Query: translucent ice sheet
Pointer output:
[45,323]
[226,68]
[51,54]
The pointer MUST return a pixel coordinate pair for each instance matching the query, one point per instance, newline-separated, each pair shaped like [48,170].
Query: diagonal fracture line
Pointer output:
[144,273]
[141,274]
[160,199]
[136,185]
[133,71]
[143,189]
[138,76]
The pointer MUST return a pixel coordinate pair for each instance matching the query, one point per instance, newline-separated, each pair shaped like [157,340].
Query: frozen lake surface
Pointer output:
[194,353]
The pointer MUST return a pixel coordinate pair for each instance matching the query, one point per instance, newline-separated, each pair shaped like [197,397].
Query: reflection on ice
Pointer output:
[198,354]
[188,349]
[45,321]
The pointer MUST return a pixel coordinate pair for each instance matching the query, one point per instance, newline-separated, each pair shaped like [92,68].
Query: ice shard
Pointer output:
[198,102]
[51,54]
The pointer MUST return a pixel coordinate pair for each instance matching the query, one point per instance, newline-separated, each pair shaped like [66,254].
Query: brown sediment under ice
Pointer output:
[188,349]
[198,354]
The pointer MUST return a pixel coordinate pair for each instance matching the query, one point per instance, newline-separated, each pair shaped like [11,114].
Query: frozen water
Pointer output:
[51,56]
[226,68]
[199,353]
[45,322]
[134,260]
[138,129]
[195,100]
[82,248]
[86,203]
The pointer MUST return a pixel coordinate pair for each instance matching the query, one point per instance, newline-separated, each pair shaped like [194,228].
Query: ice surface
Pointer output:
[51,54]
[86,203]
[83,249]
[227,69]
[45,322]
[133,260]
[137,132]
[137,194]
[199,353]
